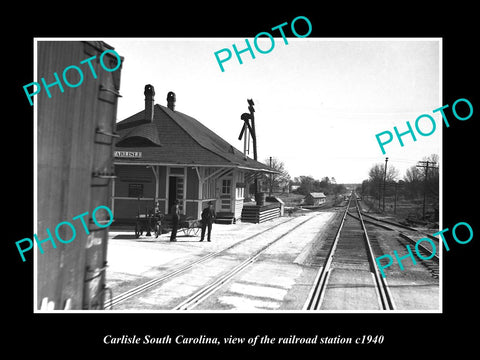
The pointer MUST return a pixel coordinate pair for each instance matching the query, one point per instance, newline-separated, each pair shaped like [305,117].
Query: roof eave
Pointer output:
[161,163]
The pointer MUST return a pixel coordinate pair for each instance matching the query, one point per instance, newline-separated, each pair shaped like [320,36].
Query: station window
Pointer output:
[226,186]
[135,190]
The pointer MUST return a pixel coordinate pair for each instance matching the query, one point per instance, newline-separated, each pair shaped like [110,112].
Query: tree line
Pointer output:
[327,185]
[282,182]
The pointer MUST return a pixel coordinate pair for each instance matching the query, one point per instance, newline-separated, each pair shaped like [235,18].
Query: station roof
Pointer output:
[174,138]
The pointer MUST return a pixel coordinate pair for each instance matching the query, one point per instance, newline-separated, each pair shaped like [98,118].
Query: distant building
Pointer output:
[315,198]
[163,155]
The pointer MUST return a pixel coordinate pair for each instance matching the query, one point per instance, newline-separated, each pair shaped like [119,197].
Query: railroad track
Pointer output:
[351,247]
[377,221]
[344,249]
[216,284]
[405,238]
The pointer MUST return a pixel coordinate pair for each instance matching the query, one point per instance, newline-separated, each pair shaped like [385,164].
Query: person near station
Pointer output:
[175,212]
[208,216]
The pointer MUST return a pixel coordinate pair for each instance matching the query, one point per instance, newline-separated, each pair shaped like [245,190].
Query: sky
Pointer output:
[318,102]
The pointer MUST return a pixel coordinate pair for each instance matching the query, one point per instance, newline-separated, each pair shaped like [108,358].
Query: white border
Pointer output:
[112,39]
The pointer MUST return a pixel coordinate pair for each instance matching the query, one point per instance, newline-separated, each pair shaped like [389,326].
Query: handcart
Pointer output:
[188,225]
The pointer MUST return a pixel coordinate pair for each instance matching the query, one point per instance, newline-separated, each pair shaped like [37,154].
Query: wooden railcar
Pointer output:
[75,133]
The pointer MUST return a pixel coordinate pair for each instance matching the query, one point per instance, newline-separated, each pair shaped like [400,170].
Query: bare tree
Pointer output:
[413,179]
[413,174]
[433,176]
[281,179]
[415,182]
[377,173]
[374,185]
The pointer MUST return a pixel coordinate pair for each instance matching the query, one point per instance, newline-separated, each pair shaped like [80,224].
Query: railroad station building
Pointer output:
[162,155]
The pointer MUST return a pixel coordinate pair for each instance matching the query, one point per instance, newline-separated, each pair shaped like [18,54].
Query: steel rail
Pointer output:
[316,294]
[181,269]
[399,225]
[403,235]
[149,284]
[385,295]
[317,290]
[215,285]
[423,248]
[372,222]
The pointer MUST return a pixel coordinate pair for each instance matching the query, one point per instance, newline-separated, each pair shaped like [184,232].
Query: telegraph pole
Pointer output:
[384,181]
[271,179]
[379,193]
[426,165]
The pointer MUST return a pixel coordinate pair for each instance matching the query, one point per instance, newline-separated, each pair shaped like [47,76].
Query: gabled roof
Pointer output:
[176,138]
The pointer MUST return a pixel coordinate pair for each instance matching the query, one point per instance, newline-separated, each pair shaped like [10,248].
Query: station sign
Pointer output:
[128,154]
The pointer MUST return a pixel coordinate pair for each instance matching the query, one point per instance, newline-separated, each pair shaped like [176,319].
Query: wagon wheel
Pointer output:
[195,231]
[191,230]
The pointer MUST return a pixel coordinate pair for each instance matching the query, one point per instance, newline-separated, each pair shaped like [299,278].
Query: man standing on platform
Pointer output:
[175,212]
[208,216]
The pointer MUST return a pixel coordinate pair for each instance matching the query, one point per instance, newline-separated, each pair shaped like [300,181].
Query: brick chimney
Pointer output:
[149,102]
[171,100]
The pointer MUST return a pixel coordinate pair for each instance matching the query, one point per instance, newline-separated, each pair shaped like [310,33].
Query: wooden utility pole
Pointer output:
[384,181]
[271,179]
[379,193]
[425,165]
